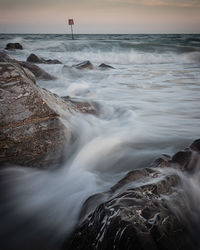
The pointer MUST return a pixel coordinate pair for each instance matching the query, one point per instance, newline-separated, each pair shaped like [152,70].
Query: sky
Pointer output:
[100,16]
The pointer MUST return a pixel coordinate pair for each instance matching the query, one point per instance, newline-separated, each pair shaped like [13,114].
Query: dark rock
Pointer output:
[162,161]
[136,213]
[182,158]
[37,71]
[188,159]
[84,65]
[196,145]
[52,61]
[105,66]
[81,105]
[13,46]
[35,59]
[31,120]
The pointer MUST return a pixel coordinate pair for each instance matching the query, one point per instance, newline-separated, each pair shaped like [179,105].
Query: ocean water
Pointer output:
[148,105]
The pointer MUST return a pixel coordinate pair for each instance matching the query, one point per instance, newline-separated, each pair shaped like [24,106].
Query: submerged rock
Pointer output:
[81,105]
[137,213]
[84,65]
[35,59]
[13,46]
[36,70]
[33,121]
[105,66]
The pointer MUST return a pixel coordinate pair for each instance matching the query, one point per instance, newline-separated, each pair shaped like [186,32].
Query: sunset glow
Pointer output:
[106,16]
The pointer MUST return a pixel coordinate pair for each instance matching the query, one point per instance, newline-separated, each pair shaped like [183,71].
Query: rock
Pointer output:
[196,145]
[182,158]
[81,105]
[13,46]
[84,65]
[136,213]
[5,58]
[35,59]
[31,120]
[105,66]
[37,71]
[187,159]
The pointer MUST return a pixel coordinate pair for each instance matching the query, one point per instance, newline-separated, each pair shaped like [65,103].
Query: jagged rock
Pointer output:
[81,105]
[105,66]
[31,120]
[35,59]
[84,65]
[12,46]
[37,71]
[137,213]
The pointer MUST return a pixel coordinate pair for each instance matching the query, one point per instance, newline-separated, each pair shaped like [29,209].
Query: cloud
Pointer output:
[26,4]
[172,3]
[163,3]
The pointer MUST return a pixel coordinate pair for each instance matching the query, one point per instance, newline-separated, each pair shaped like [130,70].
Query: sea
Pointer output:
[148,105]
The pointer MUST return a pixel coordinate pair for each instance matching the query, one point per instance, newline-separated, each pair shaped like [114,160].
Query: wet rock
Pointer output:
[66,68]
[35,59]
[162,161]
[182,158]
[84,65]
[6,58]
[13,46]
[31,120]
[188,159]
[36,70]
[196,145]
[105,66]
[81,105]
[136,213]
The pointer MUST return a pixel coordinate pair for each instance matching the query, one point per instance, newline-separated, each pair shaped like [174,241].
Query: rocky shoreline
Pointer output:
[33,121]
[139,212]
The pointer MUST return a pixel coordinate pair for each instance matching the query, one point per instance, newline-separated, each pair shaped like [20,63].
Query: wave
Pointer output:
[18,39]
[131,57]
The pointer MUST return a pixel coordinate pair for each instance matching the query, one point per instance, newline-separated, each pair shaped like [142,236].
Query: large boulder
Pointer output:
[33,122]
[36,59]
[138,212]
[13,46]
[36,70]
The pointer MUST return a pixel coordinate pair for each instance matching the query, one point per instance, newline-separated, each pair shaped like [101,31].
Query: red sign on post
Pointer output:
[71,22]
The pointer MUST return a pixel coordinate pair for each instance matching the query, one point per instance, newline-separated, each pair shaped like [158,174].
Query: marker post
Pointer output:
[71,22]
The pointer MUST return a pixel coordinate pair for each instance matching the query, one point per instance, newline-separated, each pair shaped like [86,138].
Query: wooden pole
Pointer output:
[72,33]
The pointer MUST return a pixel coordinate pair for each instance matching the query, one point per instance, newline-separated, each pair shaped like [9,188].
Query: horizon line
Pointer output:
[42,33]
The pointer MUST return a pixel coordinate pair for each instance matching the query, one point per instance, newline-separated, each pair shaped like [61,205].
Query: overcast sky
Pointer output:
[100,16]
